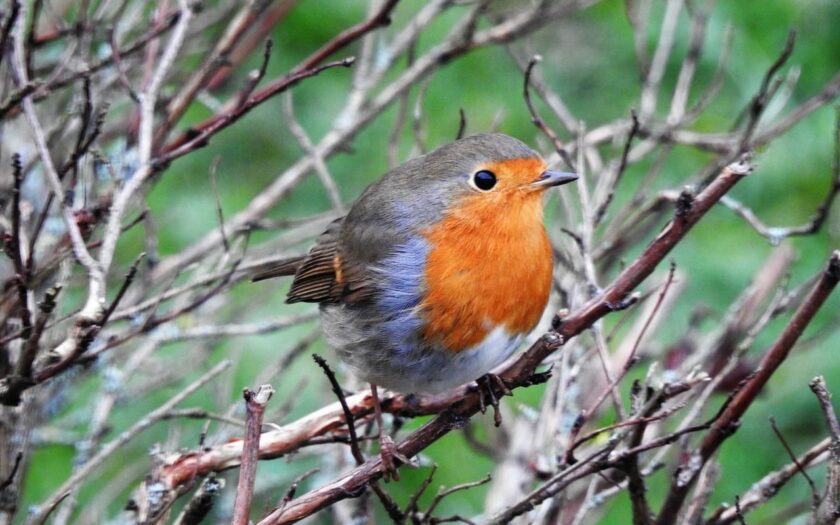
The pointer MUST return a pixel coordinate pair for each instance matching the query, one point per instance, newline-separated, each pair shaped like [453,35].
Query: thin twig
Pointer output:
[537,120]
[815,496]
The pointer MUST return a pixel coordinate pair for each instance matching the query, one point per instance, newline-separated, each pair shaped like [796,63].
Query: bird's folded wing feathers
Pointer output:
[323,275]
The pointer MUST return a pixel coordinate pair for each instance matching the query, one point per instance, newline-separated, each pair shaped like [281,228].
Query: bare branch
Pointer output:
[255,403]
[828,511]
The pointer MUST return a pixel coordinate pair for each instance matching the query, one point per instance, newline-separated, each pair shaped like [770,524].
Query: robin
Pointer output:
[438,270]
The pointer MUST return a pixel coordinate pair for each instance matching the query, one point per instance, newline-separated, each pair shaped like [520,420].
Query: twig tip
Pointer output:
[743,166]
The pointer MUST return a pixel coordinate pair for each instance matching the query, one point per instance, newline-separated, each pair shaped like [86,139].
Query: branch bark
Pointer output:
[255,403]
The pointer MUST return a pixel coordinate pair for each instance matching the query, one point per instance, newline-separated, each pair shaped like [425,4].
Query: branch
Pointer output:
[215,60]
[814,494]
[13,386]
[255,403]
[774,234]
[829,510]
[537,120]
[726,425]
[199,136]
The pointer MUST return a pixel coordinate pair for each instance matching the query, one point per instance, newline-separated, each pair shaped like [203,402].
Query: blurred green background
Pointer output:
[589,61]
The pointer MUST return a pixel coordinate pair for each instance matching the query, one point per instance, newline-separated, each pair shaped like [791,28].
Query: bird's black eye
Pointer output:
[484,180]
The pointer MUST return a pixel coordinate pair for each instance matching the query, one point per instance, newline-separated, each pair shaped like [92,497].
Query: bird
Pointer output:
[437,272]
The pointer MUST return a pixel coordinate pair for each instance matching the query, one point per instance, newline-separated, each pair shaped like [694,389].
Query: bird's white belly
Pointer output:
[444,369]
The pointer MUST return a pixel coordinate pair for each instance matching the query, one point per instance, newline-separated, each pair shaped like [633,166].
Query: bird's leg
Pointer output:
[387,448]
[487,386]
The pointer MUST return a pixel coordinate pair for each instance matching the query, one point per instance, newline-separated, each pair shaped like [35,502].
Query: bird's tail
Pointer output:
[279,268]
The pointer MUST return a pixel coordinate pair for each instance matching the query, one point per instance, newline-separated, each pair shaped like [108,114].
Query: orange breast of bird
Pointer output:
[489,266]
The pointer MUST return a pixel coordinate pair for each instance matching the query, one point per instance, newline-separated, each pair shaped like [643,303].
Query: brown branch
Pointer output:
[738,514]
[255,76]
[631,360]
[257,35]
[600,460]
[390,506]
[14,99]
[462,124]
[765,92]
[10,478]
[129,278]
[13,247]
[13,386]
[118,65]
[619,172]
[34,18]
[199,135]
[724,427]
[255,403]
[636,488]
[829,510]
[293,487]
[216,59]
[444,492]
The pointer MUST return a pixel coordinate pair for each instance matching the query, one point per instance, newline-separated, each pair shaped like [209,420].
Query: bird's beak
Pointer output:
[550,178]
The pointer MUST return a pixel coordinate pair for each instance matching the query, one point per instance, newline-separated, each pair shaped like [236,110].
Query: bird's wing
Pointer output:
[319,273]
[327,274]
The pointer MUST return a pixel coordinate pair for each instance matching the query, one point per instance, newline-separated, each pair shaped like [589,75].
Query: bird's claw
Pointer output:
[388,453]
[488,384]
